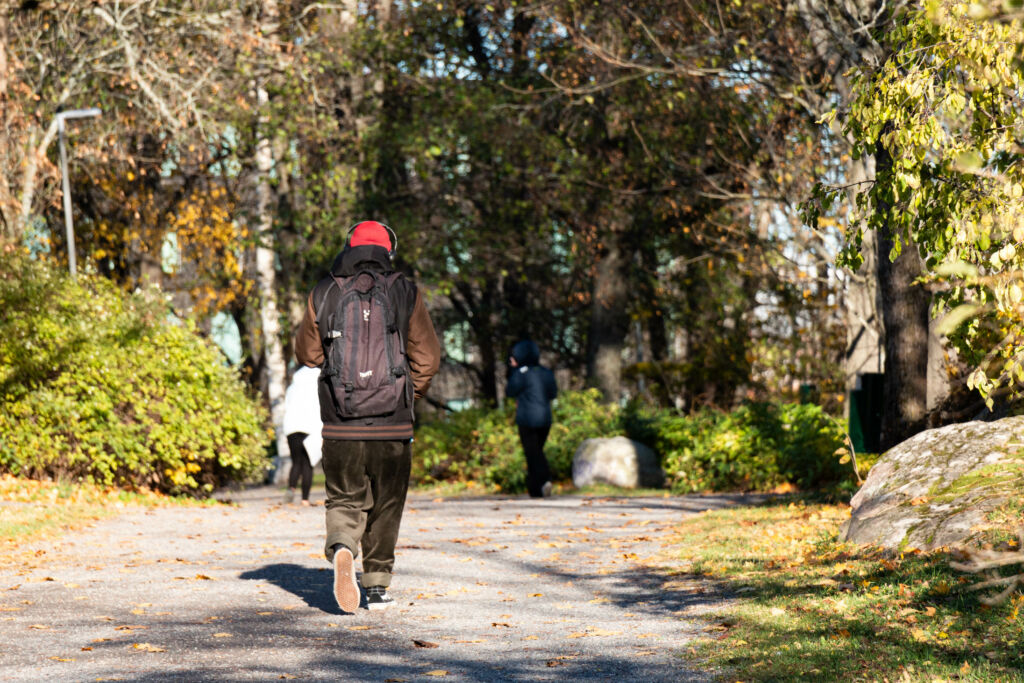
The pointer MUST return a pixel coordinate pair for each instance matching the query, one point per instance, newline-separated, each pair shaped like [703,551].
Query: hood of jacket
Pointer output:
[351,260]
[526,353]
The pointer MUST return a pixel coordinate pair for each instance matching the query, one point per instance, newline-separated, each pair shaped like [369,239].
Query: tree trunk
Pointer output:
[266,274]
[7,211]
[609,322]
[863,305]
[905,313]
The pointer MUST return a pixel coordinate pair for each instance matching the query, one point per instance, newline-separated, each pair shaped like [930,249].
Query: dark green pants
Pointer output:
[366,486]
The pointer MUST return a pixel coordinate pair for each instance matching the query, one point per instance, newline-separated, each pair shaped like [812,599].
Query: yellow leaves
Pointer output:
[594,632]
[222,635]
[437,672]
[147,647]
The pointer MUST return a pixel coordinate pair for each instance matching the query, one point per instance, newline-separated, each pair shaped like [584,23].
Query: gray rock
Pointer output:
[936,488]
[617,461]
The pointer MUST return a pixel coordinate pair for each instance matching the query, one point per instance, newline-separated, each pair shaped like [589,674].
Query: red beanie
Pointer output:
[370,232]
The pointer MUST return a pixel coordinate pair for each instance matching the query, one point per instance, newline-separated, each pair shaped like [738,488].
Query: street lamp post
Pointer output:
[66,181]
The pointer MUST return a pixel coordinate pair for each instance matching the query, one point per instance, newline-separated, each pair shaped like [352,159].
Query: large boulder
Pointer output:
[617,461]
[938,487]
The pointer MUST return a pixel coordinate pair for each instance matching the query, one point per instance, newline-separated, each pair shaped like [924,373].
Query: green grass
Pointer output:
[805,607]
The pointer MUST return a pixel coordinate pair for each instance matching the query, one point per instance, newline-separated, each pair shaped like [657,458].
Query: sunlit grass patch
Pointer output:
[32,509]
[806,607]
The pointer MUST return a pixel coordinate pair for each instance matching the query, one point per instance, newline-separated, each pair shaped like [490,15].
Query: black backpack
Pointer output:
[364,354]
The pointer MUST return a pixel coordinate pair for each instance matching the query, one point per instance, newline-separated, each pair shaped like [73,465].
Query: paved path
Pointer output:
[494,588]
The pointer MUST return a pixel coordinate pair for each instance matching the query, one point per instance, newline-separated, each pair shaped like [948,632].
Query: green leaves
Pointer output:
[943,107]
[101,386]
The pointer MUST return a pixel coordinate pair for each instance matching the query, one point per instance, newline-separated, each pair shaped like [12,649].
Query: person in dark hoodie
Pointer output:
[366,323]
[533,386]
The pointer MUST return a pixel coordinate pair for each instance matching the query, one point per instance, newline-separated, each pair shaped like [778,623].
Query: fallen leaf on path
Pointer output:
[221,635]
[531,638]
[130,627]
[495,623]
[424,643]
[203,577]
[62,659]
[264,614]
[137,612]
[555,662]
[101,640]
[358,628]
[40,627]
[146,647]
[286,676]
[536,595]
[86,649]
[437,672]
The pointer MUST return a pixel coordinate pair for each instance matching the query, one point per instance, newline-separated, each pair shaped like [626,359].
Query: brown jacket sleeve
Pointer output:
[308,349]
[422,348]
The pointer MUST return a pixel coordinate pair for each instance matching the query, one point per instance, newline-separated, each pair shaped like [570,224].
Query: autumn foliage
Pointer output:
[101,386]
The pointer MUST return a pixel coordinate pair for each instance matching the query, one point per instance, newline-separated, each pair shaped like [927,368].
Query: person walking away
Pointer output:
[533,386]
[367,329]
[303,427]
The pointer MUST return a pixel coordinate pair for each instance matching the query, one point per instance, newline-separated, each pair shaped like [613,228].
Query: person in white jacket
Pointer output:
[303,428]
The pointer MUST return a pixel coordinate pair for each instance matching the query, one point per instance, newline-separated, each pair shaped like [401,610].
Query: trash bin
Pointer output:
[866,413]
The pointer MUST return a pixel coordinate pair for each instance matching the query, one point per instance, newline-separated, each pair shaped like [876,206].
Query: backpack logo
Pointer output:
[364,375]
[366,315]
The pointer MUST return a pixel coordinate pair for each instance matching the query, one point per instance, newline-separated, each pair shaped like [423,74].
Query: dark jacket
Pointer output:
[532,385]
[422,348]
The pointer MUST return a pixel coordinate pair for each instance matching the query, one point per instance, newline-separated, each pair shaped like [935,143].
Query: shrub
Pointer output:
[758,446]
[101,386]
[755,447]
[483,445]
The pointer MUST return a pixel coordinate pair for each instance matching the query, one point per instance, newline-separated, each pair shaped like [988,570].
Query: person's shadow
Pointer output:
[315,586]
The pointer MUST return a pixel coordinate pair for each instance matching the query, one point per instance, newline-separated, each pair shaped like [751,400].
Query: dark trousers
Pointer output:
[366,486]
[537,472]
[300,464]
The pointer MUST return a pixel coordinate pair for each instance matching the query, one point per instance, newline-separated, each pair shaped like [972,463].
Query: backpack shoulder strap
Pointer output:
[319,308]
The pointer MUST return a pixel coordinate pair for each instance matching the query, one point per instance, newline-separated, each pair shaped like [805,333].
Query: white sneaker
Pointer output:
[346,590]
